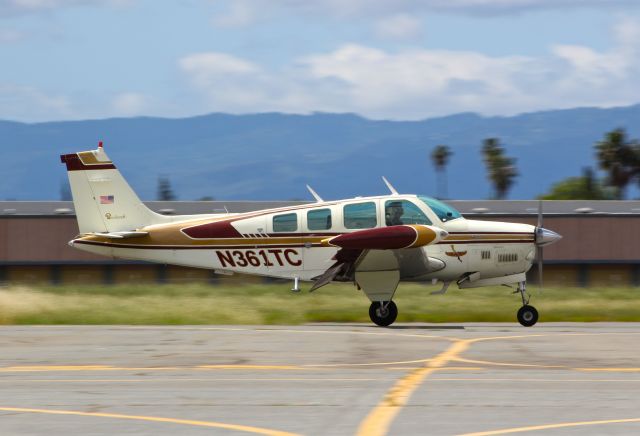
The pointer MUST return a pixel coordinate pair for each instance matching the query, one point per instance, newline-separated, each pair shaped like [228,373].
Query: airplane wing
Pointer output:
[385,249]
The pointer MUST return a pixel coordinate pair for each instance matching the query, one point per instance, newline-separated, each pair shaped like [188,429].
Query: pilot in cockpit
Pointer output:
[393,213]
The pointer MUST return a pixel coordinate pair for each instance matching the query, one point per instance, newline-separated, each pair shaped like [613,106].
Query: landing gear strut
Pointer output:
[527,315]
[383,313]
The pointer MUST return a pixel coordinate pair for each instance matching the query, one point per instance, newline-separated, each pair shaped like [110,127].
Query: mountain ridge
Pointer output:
[267,156]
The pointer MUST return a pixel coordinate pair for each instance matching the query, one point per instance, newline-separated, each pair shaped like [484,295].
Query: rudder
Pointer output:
[103,200]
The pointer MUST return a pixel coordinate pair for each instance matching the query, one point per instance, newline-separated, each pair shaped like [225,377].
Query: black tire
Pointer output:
[386,318]
[527,316]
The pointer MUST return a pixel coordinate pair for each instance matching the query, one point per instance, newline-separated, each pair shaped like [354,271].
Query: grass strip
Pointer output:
[193,304]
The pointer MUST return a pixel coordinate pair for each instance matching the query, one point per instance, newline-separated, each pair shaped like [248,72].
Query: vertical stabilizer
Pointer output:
[103,200]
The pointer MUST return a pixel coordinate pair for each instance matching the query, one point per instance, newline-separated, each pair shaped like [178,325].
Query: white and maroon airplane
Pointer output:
[373,242]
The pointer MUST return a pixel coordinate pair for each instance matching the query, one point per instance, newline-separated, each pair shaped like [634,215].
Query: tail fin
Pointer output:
[103,200]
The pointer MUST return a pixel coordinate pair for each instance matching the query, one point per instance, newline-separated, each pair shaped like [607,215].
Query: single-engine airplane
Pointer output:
[373,242]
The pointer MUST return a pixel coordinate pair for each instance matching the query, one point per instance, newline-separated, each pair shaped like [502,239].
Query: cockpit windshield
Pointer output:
[442,210]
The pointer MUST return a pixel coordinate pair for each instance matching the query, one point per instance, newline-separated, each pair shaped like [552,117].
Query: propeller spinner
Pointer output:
[543,237]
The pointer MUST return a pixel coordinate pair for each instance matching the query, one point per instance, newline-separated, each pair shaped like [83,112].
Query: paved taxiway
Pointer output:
[321,380]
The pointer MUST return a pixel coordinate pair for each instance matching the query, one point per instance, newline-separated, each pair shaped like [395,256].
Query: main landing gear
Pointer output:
[527,315]
[383,313]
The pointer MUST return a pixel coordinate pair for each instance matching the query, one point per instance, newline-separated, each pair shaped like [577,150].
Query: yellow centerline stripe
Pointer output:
[380,418]
[243,428]
[174,380]
[519,365]
[550,426]
[609,369]
[257,367]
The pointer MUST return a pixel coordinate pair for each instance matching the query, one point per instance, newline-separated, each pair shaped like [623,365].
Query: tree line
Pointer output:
[616,155]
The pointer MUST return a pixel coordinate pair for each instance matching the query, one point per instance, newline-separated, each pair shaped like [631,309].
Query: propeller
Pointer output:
[539,249]
[542,237]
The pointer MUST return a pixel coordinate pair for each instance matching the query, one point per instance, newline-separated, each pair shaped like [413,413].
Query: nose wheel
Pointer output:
[383,313]
[527,315]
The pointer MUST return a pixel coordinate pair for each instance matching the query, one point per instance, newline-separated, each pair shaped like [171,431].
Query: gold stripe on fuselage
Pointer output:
[474,237]
[172,236]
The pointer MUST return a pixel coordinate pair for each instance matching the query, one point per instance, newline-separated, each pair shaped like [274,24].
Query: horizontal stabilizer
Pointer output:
[119,235]
[388,238]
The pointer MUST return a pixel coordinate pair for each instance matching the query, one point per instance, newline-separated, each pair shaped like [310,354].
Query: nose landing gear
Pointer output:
[383,313]
[527,315]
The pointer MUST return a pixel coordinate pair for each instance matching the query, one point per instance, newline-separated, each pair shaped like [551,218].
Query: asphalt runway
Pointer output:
[339,379]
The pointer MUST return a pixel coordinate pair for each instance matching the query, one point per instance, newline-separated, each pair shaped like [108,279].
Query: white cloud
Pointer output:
[129,103]
[399,26]
[342,9]
[417,83]
[19,102]
[206,65]
[25,7]
[11,36]
[240,14]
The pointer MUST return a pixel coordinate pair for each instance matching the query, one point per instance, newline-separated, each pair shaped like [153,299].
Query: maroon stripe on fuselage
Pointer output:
[214,230]
[74,163]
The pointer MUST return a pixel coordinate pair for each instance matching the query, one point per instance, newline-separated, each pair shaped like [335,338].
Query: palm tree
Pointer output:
[165,193]
[619,159]
[440,158]
[500,168]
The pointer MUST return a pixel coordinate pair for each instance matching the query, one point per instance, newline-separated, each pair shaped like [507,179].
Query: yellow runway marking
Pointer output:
[443,369]
[257,367]
[536,380]
[524,365]
[550,426]
[56,368]
[380,418]
[97,368]
[212,379]
[338,365]
[609,369]
[243,428]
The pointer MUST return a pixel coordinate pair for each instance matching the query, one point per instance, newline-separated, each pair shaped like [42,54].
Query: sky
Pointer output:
[382,59]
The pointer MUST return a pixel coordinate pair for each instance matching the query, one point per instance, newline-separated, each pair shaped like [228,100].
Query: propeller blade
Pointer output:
[540,255]
[539,214]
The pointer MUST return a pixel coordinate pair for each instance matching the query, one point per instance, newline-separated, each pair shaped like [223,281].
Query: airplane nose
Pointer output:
[546,237]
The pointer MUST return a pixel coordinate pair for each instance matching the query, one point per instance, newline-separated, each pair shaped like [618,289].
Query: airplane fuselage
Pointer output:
[287,242]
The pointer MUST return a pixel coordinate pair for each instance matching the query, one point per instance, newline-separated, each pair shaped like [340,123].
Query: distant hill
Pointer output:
[273,156]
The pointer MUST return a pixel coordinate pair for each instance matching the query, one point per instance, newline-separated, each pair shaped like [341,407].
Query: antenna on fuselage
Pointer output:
[391,188]
[315,194]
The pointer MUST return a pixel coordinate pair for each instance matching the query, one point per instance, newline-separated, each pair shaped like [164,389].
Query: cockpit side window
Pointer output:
[397,212]
[442,210]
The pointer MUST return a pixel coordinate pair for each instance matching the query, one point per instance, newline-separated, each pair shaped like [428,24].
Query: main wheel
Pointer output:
[383,314]
[527,316]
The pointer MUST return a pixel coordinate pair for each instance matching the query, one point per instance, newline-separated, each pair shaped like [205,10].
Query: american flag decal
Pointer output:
[106,199]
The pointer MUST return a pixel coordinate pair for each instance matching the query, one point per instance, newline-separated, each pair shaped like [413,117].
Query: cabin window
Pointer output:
[485,254]
[398,212]
[285,223]
[319,219]
[360,215]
